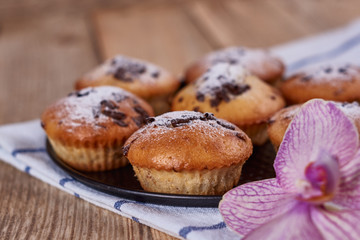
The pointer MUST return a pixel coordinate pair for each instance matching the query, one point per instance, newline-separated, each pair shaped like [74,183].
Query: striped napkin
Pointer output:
[22,145]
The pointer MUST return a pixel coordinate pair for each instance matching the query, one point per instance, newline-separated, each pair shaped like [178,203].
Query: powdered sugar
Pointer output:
[127,69]
[222,82]
[333,73]
[93,107]
[252,59]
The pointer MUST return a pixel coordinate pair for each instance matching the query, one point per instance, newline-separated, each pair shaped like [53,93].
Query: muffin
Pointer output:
[188,152]
[231,93]
[258,62]
[88,128]
[337,82]
[148,81]
[280,121]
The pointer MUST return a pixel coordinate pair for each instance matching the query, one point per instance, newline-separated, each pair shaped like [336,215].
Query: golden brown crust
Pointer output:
[95,117]
[258,61]
[280,121]
[254,103]
[187,141]
[337,82]
[142,78]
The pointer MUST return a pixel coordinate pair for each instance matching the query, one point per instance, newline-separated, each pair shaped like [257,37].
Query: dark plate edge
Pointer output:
[139,196]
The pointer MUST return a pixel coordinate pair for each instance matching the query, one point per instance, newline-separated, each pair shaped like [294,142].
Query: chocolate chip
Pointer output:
[139,120]
[207,116]
[233,61]
[306,78]
[225,125]
[241,136]
[221,77]
[155,74]
[150,120]
[113,62]
[141,111]
[96,112]
[205,78]
[180,99]
[109,104]
[120,123]
[270,121]
[272,97]
[116,115]
[200,97]
[328,70]
[129,70]
[126,149]
[81,93]
[342,70]
[196,109]
[142,70]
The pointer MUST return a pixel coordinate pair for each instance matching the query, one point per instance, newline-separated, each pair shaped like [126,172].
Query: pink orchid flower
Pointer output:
[316,193]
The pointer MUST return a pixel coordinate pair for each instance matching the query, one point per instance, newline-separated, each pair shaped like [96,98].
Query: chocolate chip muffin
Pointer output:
[188,153]
[337,82]
[144,79]
[258,62]
[231,93]
[88,128]
[280,121]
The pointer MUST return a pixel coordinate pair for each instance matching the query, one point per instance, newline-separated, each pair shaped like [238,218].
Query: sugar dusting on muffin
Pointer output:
[222,82]
[329,73]
[127,70]
[95,107]
[188,118]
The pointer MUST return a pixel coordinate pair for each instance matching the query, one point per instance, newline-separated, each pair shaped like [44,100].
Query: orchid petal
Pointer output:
[337,224]
[348,195]
[295,224]
[317,125]
[250,205]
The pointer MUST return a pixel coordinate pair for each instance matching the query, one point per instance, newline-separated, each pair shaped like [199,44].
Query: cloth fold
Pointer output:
[22,145]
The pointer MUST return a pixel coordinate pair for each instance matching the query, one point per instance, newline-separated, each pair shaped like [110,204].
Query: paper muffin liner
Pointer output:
[90,159]
[257,133]
[189,182]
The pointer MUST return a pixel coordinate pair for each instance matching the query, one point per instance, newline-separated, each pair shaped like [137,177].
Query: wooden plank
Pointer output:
[36,210]
[261,23]
[158,33]
[39,62]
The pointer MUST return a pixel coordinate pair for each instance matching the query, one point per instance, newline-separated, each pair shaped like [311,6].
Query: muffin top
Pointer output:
[187,140]
[280,121]
[100,113]
[336,81]
[258,62]
[142,78]
[232,93]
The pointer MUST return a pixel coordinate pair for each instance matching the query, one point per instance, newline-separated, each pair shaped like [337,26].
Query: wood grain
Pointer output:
[158,33]
[45,46]
[39,62]
[261,23]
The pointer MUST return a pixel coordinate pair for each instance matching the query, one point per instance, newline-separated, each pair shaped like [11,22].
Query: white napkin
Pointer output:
[22,145]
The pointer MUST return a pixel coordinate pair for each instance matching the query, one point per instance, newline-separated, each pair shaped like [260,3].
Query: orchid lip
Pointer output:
[321,181]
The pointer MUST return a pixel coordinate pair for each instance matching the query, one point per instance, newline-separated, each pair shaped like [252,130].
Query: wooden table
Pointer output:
[45,46]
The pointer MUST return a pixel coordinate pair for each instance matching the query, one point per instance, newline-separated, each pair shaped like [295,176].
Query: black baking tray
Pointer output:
[123,183]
